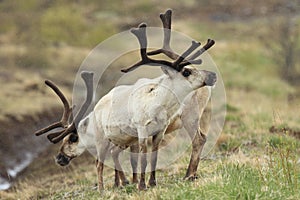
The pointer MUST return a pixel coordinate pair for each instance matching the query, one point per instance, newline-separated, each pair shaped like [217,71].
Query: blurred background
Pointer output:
[257,50]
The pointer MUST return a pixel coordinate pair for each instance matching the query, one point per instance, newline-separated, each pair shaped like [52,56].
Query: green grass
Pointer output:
[273,177]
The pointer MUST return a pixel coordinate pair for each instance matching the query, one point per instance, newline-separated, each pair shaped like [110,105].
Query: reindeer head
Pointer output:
[71,146]
[181,68]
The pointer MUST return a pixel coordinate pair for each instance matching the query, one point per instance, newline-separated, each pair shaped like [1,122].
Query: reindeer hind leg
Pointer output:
[118,168]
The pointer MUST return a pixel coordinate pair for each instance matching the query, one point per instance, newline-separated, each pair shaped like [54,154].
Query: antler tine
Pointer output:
[88,80]
[177,62]
[194,62]
[208,45]
[58,136]
[48,128]
[140,33]
[166,19]
[51,136]
[66,113]
[191,59]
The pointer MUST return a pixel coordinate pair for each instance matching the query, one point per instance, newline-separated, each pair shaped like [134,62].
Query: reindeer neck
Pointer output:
[179,88]
[173,95]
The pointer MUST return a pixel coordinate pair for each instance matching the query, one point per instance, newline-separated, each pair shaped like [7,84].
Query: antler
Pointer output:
[69,128]
[208,44]
[180,61]
[66,114]
[140,33]
[166,20]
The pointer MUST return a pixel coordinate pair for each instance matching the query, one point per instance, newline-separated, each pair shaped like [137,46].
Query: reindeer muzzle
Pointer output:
[211,78]
[62,160]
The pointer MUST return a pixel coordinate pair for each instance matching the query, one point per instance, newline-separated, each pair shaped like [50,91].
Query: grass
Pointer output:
[235,176]
[248,162]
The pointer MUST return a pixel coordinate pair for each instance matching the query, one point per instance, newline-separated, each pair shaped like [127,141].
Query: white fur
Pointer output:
[129,112]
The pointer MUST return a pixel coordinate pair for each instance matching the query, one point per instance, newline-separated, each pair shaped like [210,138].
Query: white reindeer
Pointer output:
[76,140]
[130,114]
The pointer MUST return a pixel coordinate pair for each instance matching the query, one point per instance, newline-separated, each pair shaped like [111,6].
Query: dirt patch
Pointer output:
[286,131]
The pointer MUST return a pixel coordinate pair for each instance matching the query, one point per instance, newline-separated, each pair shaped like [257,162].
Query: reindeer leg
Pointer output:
[155,144]
[199,140]
[143,146]
[134,150]
[117,179]
[100,164]
[198,144]
[118,168]
[100,175]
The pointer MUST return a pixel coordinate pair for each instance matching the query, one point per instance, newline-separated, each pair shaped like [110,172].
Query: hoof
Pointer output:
[152,183]
[142,187]
[191,177]
[135,181]
[126,182]
[117,184]
[101,189]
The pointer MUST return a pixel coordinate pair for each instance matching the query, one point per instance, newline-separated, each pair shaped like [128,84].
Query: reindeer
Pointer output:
[76,140]
[156,110]
[195,121]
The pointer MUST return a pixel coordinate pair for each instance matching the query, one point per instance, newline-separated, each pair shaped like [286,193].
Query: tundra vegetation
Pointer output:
[249,161]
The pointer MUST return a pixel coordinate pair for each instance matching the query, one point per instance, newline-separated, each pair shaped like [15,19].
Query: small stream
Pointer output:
[11,173]
[18,144]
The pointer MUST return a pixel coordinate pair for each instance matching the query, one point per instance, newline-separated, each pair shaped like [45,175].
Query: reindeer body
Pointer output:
[149,104]
[194,114]
[130,114]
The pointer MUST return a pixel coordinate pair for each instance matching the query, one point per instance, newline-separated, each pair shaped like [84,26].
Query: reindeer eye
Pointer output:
[186,72]
[73,138]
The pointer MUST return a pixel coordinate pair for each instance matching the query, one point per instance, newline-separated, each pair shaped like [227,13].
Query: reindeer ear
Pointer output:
[168,71]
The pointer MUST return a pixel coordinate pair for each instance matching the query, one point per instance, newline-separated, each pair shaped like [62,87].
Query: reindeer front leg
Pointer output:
[198,144]
[143,147]
[199,139]
[155,145]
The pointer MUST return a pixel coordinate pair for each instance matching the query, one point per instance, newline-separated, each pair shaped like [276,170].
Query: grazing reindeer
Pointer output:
[76,140]
[150,108]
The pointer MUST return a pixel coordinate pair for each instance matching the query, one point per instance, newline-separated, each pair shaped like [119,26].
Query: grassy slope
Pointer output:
[247,163]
